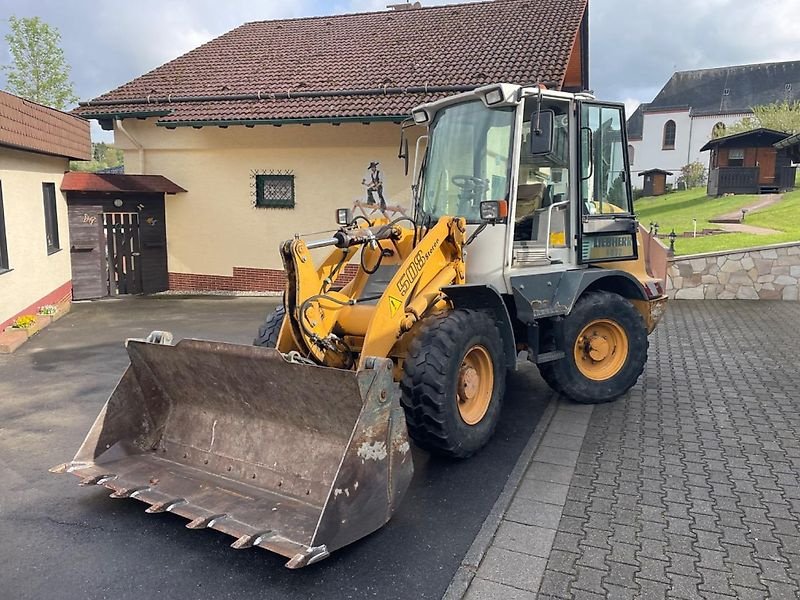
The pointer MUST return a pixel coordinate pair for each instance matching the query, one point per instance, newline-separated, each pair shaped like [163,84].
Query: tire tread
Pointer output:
[426,383]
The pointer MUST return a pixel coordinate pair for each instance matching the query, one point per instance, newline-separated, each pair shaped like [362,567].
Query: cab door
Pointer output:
[607,230]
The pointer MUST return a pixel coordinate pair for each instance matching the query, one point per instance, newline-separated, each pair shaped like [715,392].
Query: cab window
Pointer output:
[468,160]
[543,179]
[604,189]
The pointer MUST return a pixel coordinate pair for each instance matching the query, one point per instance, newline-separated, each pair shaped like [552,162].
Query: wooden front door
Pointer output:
[87,252]
[123,252]
[765,160]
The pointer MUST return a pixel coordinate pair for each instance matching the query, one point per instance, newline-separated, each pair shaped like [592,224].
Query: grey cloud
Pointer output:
[636,46]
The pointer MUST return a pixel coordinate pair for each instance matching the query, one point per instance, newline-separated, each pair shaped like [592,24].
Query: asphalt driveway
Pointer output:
[63,541]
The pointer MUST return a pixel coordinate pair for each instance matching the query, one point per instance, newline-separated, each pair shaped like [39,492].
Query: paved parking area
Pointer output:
[58,540]
[688,487]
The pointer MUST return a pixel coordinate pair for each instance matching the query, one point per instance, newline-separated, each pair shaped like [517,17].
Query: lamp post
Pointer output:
[672,237]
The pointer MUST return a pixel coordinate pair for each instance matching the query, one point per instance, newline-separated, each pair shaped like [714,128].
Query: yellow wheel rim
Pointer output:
[601,349]
[475,385]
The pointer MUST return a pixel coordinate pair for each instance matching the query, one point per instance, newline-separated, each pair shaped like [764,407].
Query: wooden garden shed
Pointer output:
[655,181]
[749,163]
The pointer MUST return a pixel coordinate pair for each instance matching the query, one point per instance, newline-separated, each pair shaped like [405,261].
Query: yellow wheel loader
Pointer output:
[522,241]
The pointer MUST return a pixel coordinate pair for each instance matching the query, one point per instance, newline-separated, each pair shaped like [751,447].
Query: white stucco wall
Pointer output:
[649,153]
[702,128]
[691,134]
[33,273]
[214,226]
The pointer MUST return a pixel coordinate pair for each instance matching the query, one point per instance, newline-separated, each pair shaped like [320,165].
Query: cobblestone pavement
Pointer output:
[689,486]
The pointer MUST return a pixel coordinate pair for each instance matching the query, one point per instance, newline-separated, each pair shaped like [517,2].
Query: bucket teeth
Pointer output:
[248,541]
[308,557]
[129,492]
[97,479]
[203,522]
[165,506]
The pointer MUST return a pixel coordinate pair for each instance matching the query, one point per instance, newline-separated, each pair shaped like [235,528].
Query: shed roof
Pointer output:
[26,125]
[792,145]
[378,64]
[77,181]
[654,171]
[756,137]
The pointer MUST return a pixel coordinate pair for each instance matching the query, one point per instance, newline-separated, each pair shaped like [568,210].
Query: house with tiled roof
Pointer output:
[271,126]
[695,106]
[36,145]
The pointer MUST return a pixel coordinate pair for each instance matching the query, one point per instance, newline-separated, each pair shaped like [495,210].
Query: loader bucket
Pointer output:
[294,458]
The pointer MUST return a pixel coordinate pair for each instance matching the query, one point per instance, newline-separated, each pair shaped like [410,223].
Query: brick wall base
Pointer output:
[244,279]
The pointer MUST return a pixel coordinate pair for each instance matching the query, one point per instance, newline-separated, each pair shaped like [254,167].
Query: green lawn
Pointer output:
[677,210]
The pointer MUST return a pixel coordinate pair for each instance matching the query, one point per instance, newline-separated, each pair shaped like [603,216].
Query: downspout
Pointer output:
[136,144]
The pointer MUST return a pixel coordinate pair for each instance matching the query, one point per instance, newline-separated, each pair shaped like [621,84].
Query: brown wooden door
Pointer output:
[87,252]
[124,253]
[154,245]
[765,159]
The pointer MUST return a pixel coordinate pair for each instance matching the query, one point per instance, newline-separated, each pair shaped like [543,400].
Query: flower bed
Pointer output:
[26,326]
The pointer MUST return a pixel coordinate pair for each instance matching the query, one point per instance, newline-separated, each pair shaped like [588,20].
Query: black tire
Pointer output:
[565,377]
[431,374]
[268,332]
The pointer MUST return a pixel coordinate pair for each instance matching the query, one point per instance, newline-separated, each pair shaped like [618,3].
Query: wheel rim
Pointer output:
[475,385]
[601,349]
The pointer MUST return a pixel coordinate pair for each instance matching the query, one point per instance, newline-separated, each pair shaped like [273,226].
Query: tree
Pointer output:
[693,175]
[38,69]
[780,116]
[103,157]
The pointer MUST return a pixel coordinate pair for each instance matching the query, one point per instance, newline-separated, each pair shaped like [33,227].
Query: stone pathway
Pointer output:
[763,201]
[745,228]
[688,487]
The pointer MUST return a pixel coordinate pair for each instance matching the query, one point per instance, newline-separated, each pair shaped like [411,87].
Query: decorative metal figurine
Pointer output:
[374,184]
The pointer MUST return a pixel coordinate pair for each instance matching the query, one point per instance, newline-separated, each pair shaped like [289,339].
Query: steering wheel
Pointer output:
[468,183]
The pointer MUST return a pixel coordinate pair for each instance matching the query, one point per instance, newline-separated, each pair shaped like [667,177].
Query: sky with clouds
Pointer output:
[635,44]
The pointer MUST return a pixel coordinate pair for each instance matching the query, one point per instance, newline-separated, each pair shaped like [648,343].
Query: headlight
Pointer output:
[343,216]
[420,117]
[494,96]
[494,210]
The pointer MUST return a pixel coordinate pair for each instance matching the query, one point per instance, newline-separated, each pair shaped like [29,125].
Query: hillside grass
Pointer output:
[676,210]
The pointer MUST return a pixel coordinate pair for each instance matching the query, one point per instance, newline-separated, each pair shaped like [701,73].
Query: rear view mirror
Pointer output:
[541,138]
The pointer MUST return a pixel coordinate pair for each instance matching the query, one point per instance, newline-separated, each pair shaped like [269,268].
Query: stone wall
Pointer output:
[764,273]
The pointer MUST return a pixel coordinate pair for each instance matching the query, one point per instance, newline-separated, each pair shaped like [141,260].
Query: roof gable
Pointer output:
[252,71]
[635,124]
[26,125]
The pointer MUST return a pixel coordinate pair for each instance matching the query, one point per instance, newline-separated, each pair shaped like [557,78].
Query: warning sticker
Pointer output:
[394,304]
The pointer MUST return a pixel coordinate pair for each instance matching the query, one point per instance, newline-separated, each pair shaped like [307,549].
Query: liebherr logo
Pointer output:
[414,269]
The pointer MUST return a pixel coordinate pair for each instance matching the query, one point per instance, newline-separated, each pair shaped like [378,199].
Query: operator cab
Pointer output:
[558,161]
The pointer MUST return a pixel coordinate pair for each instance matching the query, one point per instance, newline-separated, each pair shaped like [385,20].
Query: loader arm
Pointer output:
[342,328]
